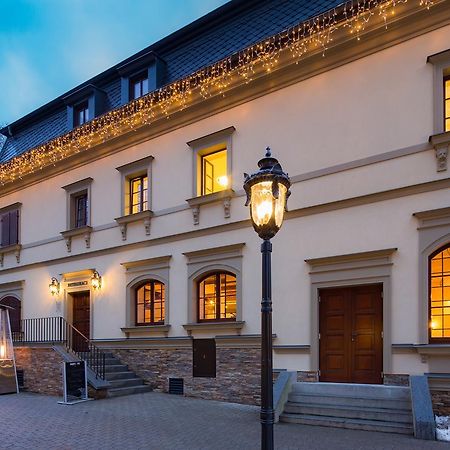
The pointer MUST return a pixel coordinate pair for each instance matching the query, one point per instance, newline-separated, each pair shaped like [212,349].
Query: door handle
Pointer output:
[354,334]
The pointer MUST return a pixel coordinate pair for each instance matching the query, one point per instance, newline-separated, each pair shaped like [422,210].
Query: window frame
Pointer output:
[13,239]
[445,99]
[217,274]
[202,171]
[142,191]
[204,146]
[82,107]
[434,340]
[141,285]
[135,79]
[73,192]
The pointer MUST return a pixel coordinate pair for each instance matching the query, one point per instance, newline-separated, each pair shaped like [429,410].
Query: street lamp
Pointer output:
[267,193]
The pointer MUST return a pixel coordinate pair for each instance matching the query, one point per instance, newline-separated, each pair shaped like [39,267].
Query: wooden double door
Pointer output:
[351,334]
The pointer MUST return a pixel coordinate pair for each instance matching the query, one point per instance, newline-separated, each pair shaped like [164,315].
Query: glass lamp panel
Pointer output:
[261,202]
[280,204]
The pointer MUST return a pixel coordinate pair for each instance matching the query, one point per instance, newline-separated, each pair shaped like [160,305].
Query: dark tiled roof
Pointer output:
[243,23]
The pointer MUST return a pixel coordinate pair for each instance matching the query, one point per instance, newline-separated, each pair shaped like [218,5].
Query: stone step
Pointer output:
[118,392]
[351,412]
[126,382]
[113,361]
[353,424]
[120,375]
[116,368]
[372,391]
[318,399]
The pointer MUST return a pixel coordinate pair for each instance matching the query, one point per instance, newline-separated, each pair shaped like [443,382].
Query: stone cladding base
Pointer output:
[237,372]
[42,369]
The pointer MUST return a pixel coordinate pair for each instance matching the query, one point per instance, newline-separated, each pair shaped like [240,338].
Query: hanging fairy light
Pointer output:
[311,35]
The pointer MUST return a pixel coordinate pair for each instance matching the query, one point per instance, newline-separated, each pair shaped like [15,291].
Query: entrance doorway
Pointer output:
[81,319]
[350,332]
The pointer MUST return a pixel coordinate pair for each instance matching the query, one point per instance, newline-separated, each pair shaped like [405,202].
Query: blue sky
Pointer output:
[49,46]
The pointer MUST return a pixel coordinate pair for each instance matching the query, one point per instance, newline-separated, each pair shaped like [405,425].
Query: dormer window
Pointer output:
[81,114]
[138,86]
[141,75]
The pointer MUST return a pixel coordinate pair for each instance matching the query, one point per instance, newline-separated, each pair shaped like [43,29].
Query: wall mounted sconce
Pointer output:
[96,280]
[54,286]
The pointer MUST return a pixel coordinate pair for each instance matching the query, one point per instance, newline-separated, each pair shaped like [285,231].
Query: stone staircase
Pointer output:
[122,380]
[355,406]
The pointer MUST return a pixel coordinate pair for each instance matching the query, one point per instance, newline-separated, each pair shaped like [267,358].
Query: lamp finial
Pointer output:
[268,152]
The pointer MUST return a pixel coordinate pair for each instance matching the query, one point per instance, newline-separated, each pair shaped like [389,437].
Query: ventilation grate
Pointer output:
[19,373]
[176,386]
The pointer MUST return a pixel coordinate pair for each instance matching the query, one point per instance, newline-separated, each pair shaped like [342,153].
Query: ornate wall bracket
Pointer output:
[222,196]
[15,248]
[144,216]
[441,144]
[68,235]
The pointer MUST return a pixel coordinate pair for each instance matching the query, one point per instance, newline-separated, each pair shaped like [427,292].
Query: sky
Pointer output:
[47,47]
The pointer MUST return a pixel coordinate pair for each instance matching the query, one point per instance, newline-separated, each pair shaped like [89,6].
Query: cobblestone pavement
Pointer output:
[161,421]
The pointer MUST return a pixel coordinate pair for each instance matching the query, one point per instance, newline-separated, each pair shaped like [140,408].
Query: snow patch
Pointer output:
[443,428]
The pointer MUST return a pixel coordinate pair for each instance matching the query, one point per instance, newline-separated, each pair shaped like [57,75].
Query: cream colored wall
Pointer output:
[371,106]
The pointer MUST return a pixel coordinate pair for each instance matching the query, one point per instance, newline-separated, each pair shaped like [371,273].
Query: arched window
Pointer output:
[217,297]
[439,297]
[14,313]
[150,299]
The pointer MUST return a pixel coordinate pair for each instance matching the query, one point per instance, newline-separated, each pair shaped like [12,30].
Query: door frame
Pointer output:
[83,276]
[349,288]
[355,269]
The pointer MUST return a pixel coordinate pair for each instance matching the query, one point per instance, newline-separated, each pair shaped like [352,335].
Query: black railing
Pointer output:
[56,330]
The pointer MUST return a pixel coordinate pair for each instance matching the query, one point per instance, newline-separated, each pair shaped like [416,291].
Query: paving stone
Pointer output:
[167,422]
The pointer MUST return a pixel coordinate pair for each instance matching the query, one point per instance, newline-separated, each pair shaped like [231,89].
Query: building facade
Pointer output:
[125,195]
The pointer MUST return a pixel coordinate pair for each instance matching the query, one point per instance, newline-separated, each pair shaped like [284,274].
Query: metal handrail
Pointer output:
[57,330]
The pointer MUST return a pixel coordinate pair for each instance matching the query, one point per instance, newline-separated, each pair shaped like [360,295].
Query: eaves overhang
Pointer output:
[244,75]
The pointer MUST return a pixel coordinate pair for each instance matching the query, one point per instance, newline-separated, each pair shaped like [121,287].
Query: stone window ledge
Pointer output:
[15,248]
[207,326]
[441,144]
[224,196]
[123,222]
[147,329]
[424,350]
[74,232]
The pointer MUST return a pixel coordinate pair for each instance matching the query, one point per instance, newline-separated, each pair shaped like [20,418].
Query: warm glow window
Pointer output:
[138,194]
[447,104]
[439,269]
[150,307]
[217,297]
[214,172]
[138,87]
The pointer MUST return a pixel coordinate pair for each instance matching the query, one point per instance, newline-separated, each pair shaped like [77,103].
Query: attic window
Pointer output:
[81,114]
[138,86]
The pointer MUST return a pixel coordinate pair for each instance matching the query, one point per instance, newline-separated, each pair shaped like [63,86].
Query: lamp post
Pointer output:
[267,193]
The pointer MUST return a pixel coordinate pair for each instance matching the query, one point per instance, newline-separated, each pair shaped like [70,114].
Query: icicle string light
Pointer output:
[312,35]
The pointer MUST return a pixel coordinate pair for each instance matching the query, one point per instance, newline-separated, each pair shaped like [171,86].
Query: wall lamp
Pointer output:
[96,280]
[54,286]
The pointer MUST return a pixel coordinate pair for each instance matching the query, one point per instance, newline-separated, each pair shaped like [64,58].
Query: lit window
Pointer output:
[150,298]
[214,172]
[138,87]
[217,297]
[439,269]
[447,104]
[80,210]
[81,114]
[138,194]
